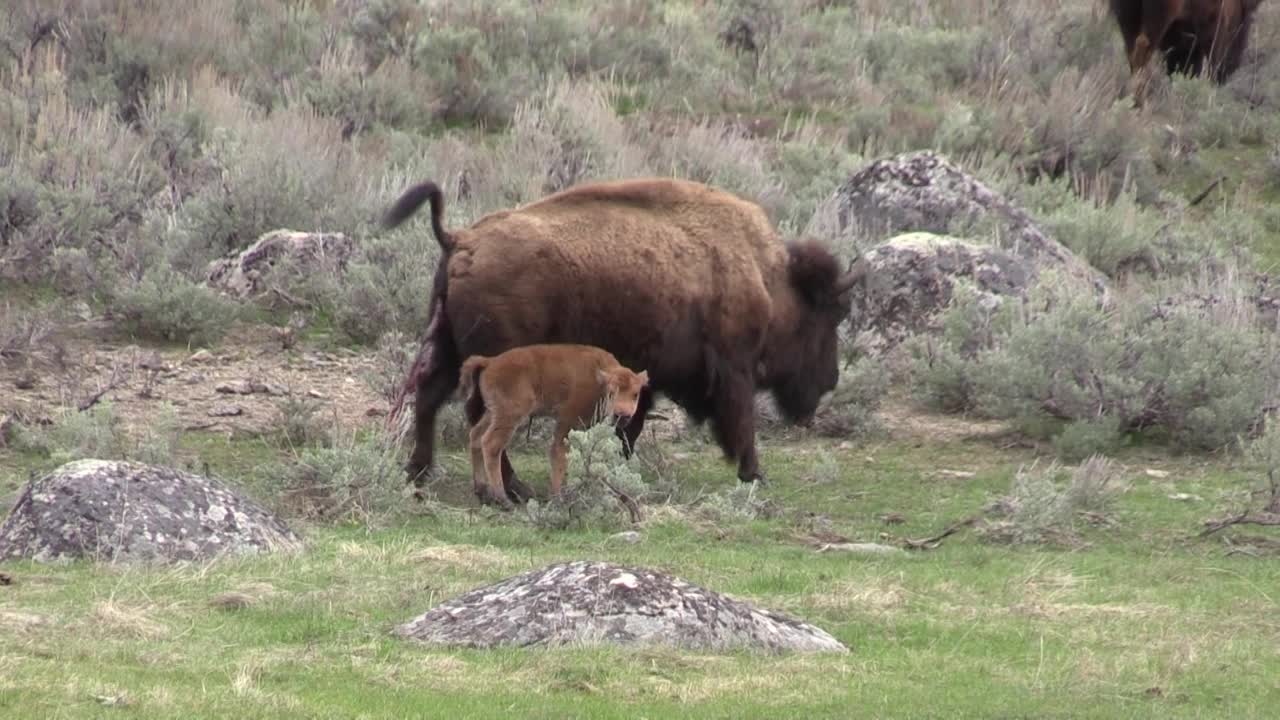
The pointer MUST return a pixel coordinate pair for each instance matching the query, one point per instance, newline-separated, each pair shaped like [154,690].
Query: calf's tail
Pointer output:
[470,375]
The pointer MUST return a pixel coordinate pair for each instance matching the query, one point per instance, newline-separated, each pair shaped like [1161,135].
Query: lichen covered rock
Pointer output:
[114,511]
[913,279]
[242,275]
[924,192]
[600,603]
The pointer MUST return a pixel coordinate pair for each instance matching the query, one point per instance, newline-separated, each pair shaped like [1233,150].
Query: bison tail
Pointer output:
[409,203]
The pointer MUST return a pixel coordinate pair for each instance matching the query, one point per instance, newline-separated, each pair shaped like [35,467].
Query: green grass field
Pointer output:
[1140,620]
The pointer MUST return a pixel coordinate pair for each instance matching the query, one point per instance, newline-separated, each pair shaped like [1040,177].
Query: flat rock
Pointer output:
[225,410]
[596,603]
[123,511]
[234,388]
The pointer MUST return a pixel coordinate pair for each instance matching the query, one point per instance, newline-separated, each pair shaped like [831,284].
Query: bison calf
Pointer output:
[568,382]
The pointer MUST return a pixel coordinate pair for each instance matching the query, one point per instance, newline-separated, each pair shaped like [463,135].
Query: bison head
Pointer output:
[802,360]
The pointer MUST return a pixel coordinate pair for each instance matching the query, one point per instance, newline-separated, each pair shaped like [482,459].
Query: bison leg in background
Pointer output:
[436,382]
[516,490]
[630,432]
[734,421]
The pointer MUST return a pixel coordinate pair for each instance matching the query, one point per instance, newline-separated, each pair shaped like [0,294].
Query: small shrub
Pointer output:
[1263,456]
[160,438]
[22,331]
[356,478]
[942,368]
[597,474]
[92,434]
[300,422]
[167,306]
[1080,439]
[849,411]
[741,502]
[1043,505]
[1194,363]
[97,433]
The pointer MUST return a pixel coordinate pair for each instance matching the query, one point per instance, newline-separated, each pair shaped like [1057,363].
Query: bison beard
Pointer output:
[675,277]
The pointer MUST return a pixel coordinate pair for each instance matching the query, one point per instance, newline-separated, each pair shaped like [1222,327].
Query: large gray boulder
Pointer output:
[243,275]
[114,511]
[914,277]
[596,603]
[925,192]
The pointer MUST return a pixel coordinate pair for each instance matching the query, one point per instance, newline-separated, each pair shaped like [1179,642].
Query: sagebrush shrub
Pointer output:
[1043,505]
[1201,372]
[597,473]
[165,305]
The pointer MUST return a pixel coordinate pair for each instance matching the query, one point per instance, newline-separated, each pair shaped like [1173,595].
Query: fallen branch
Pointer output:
[1244,518]
[633,508]
[115,381]
[1205,193]
[934,541]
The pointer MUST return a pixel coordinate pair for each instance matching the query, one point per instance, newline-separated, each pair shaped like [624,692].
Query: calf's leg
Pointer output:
[515,490]
[493,443]
[479,477]
[559,456]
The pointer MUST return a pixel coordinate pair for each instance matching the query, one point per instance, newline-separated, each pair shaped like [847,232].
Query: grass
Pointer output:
[1141,623]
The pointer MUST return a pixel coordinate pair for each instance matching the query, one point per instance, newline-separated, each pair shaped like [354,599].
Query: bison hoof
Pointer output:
[488,497]
[517,491]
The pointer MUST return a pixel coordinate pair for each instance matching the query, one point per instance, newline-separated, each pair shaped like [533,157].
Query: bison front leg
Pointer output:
[735,422]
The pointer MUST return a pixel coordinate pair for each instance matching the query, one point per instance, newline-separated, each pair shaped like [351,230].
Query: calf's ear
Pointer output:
[644,377]
[602,376]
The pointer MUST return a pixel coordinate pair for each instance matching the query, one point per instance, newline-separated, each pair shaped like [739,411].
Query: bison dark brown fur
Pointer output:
[689,282]
[1194,35]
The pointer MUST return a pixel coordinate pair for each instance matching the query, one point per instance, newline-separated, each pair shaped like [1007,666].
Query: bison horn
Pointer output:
[857,273]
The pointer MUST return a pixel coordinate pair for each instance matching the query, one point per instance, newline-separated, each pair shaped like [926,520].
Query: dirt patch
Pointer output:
[233,390]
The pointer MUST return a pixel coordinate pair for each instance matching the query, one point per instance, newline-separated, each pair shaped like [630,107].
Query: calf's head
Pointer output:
[622,392]
[802,361]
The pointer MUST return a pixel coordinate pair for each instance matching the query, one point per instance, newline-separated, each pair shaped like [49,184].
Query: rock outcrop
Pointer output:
[914,277]
[117,511]
[600,603]
[924,192]
[242,275]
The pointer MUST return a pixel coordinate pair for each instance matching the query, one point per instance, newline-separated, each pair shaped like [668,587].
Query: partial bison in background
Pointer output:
[1195,36]
[676,278]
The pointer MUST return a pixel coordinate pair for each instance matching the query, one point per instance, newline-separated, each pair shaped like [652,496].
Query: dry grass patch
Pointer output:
[16,621]
[863,595]
[114,618]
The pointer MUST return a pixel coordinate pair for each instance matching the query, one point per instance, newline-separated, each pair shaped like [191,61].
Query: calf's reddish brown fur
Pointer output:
[572,383]
[686,281]
[1194,35]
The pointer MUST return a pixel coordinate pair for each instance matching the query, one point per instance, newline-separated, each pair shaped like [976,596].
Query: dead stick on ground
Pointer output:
[633,508]
[1244,518]
[114,382]
[930,543]
[1205,193]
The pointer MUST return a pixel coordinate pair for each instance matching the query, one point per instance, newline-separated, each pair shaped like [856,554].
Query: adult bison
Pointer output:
[676,278]
[1194,35]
